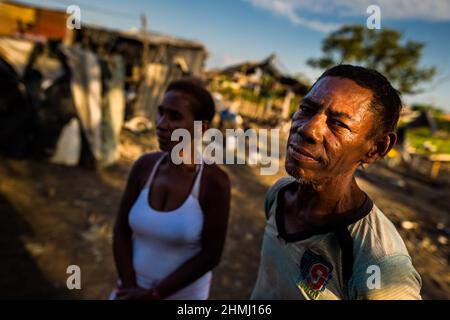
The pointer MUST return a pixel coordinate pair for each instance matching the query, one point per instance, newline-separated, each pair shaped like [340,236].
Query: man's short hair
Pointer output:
[386,100]
[201,100]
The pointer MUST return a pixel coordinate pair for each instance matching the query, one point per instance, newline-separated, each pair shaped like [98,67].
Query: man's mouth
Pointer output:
[301,154]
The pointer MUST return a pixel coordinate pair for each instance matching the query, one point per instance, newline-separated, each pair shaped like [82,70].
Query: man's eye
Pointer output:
[339,123]
[305,109]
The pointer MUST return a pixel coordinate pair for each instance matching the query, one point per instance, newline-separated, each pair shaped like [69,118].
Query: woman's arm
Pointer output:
[215,203]
[122,234]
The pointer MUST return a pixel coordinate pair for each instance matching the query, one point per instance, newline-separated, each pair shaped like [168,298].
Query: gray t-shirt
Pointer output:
[312,268]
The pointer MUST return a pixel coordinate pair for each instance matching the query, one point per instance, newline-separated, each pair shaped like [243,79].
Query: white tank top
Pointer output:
[164,240]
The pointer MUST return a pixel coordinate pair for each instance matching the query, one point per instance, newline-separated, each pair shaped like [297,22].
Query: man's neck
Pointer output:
[329,200]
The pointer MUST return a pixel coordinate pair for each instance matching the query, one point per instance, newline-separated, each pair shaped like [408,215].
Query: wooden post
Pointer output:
[144,44]
[435,169]
[141,105]
[437,159]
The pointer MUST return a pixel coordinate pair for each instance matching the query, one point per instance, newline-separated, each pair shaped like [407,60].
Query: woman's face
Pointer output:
[175,112]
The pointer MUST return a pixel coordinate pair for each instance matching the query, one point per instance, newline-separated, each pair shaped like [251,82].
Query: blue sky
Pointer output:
[236,30]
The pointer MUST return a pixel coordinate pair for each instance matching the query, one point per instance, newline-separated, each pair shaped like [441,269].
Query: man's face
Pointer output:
[328,135]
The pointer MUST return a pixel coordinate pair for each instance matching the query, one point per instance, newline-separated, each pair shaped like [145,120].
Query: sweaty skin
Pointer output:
[330,137]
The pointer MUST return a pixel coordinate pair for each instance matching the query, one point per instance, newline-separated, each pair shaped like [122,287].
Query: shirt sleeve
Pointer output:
[390,278]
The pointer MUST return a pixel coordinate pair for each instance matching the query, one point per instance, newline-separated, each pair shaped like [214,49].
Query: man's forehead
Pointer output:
[341,93]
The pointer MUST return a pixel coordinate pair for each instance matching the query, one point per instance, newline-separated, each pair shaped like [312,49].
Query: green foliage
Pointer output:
[419,137]
[382,50]
[249,95]
[436,112]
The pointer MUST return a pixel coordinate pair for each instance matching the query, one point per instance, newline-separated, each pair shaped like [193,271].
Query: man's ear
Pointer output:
[383,144]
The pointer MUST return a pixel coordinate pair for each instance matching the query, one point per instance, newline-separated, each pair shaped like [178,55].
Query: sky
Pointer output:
[237,30]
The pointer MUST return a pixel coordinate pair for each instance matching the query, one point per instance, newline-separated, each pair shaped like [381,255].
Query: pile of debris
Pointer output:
[60,102]
[65,94]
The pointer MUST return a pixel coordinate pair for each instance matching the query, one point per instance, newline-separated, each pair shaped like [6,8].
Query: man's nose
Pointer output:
[312,130]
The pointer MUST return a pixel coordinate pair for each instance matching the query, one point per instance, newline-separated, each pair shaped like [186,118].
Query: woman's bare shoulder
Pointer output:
[147,159]
[143,165]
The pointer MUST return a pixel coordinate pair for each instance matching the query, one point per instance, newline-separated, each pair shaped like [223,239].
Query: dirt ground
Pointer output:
[54,216]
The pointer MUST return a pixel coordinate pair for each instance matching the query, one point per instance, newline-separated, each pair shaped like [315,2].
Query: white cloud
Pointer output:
[431,10]
[289,8]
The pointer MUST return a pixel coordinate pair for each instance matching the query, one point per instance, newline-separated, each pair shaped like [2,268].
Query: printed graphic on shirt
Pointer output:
[315,274]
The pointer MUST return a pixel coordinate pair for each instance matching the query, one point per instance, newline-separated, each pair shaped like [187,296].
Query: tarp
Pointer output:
[16,52]
[70,102]
[87,94]
[68,147]
[16,115]
[98,91]
[10,14]
[113,110]
[21,19]
[50,68]
[50,24]
[151,89]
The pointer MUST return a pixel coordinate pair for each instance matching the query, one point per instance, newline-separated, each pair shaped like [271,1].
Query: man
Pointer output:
[324,238]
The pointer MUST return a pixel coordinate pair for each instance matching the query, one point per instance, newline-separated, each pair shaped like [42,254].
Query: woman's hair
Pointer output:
[203,105]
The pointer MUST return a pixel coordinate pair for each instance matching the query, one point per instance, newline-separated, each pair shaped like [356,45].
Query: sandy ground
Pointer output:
[53,216]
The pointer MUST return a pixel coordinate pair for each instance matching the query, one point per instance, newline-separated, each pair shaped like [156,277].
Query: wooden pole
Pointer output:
[144,44]
[141,109]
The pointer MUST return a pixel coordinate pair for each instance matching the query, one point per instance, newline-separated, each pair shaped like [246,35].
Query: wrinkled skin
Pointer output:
[333,124]
[333,132]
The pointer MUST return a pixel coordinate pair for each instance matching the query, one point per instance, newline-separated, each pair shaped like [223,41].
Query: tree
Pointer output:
[382,50]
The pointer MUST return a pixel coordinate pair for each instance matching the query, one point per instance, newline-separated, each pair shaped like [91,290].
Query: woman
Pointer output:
[172,221]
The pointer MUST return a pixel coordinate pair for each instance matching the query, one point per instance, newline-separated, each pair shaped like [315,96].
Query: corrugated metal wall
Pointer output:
[164,66]
[167,61]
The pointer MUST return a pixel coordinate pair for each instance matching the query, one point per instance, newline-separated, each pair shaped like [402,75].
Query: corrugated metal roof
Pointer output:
[152,37]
